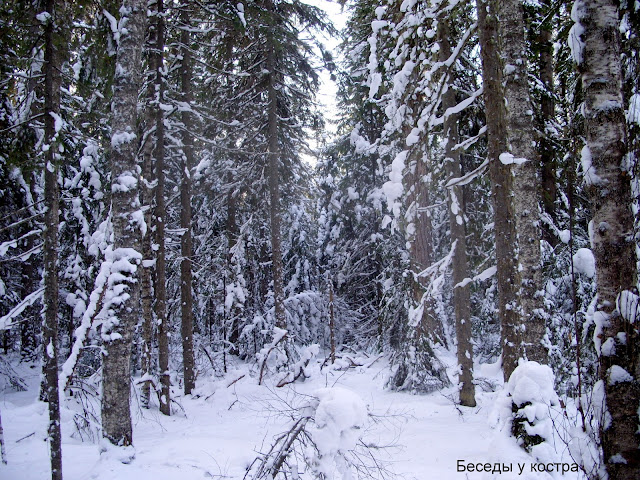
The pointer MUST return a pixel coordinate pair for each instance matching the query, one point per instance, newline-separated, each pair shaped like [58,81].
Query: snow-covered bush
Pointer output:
[323,441]
[339,416]
[526,405]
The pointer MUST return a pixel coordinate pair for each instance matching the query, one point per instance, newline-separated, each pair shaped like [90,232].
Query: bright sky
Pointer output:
[328,89]
[333,9]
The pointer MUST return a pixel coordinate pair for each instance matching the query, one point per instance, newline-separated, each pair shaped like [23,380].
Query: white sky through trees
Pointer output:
[328,90]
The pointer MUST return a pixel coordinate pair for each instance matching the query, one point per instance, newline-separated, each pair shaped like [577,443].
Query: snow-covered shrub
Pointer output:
[568,295]
[323,441]
[526,404]
[275,354]
[339,416]
[418,369]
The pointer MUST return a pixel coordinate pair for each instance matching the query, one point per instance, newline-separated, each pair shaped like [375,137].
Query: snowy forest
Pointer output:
[297,239]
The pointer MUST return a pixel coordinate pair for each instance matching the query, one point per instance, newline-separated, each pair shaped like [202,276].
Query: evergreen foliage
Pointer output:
[271,258]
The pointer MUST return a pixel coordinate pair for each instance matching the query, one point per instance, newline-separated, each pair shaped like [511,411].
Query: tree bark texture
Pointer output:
[186,244]
[547,117]
[3,450]
[52,80]
[273,173]
[608,185]
[148,255]
[457,225]
[160,285]
[522,145]
[125,211]
[421,246]
[501,188]
[233,233]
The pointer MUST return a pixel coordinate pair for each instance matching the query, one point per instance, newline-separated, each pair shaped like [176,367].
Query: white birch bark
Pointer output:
[611,229]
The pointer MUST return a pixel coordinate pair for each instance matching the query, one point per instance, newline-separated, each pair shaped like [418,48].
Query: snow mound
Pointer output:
[526,406]
[340,414]
[584,262]
[532,382]
[116,453]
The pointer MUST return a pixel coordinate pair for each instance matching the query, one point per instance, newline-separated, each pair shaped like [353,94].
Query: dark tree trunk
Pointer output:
[421,251]
[52,62]
[232,238]
[186,244]
[508,278]
[148,255]
[547,117]
[273,173]
[160,285]
[457,225]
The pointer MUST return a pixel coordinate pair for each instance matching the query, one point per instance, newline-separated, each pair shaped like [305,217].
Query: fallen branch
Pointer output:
[25,437]
[300,373]
[237,379]
[206,352]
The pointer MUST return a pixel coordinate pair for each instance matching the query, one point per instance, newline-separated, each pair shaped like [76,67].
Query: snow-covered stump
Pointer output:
[525,406]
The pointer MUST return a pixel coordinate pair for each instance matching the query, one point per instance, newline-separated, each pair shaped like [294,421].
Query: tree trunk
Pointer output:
[148,255]
[522,142]
[457,225]
[332,324]
[608,186]
[126,218]
[508,278]
[421,248]
[232,239]
[186,244]
[547,117]
[3,451]
[52,62]
[160,285]
[273,173]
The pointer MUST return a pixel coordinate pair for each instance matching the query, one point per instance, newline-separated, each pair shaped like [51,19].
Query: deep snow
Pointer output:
[223,427]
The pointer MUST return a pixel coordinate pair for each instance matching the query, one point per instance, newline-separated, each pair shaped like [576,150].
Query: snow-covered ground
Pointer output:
[219,431]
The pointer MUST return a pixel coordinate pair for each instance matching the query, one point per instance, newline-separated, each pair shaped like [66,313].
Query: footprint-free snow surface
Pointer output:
[358,427]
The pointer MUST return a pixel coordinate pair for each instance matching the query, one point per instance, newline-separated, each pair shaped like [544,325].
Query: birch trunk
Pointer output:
[608,185]
[522,145]
[126,219]
[508,278]
[52,62]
